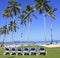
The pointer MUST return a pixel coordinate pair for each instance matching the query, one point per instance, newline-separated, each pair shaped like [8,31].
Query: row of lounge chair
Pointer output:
[25,51]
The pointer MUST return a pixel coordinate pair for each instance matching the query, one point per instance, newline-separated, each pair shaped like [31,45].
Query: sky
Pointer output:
[37,25]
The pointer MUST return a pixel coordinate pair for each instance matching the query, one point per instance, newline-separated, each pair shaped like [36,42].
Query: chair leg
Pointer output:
[37,54]
[16,53]
[10,53]
[23,54]
[46,53]
[29,53]
[4,53]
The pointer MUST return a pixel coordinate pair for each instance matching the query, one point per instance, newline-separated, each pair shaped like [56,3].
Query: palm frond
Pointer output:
[55,9]
[35,16]
[53,16]
[14,6]
[13,26]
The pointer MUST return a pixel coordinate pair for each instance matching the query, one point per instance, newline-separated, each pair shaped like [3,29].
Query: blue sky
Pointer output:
[37,26]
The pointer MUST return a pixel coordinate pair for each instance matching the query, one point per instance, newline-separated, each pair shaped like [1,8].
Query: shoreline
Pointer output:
[43,45]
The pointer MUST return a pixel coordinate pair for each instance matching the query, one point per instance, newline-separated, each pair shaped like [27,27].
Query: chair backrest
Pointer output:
[19,49]
[42,48]
[26,49]
[32,48]
[7,49]
[13,49]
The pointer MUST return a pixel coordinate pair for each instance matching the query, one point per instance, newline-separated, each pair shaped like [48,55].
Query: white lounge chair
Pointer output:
[33,51]
[42,51]
[7,51]
[19,51]
[26,51]
[13,51]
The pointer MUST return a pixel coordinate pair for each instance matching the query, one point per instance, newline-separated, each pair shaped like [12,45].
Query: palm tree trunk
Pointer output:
[45,29]
[6,29]
[21,36]
[12,37]
[4,36]
[2,45]
[13,33]
[51,32]
[29,32]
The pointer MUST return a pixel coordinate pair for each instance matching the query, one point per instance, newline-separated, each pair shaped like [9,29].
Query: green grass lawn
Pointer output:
[52,53]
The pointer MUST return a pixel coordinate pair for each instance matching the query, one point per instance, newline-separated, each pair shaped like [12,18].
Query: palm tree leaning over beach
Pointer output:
[12,10]
[43,7]
[4,31]
[28,13]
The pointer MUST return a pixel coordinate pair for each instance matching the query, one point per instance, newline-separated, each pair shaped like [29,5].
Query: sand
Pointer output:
[51,45]
[44,45]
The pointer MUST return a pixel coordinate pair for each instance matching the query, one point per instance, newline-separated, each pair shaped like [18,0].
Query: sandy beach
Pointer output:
[51,45]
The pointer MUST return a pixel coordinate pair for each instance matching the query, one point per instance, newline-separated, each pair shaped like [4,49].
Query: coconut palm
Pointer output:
[13,27]
[12,10]
[28,13]
[3,31]
[14,7]
[22,19]
[42,5]
[51,14]
[22,22]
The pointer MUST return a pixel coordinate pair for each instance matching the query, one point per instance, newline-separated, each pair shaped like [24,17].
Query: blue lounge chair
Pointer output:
[19,51]
[33,51]
[13,51]
[7,51]
[26,51]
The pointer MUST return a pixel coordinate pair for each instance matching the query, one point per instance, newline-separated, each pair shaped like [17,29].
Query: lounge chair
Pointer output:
[13,51]
[7,51]
[42,51]
[33,51]
[26,51]
[19,51]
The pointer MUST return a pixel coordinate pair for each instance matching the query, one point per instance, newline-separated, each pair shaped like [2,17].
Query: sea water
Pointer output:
[32,42]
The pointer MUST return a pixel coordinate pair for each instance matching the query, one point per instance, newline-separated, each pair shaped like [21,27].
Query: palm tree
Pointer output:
[22,22]
[28,13]
[51,14]
[14,7]
[12,10]
[3,31]
[42,5]
[13,27]
[22,19]
[45,28]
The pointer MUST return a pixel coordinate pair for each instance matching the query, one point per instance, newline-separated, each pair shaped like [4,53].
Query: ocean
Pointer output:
[32,42]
